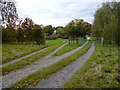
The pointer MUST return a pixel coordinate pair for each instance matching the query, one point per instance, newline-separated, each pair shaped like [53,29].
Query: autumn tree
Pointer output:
[38,34]
[27,26]
[77,28]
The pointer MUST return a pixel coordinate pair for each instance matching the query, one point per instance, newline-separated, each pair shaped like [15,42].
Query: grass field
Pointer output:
[33,79]
[100,71]
[68,48]
[29,60]
[12,51]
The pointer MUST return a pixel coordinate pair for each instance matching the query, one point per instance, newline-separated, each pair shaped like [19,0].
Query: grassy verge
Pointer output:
[68,48]
[29,60]
[32,79]
[12,51]
[100,71]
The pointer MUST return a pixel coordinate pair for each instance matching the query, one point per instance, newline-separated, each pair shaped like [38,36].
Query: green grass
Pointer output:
[32,79]
[100,71]
[68,48]
[93,38]
[12,51]
[29,60]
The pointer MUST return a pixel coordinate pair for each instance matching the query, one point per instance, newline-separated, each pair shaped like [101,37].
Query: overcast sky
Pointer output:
[57,12]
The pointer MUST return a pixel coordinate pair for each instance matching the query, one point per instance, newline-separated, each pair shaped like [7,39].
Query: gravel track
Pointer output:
[15,60]
[14,76]
[57,80]
[17,75]
[18,59]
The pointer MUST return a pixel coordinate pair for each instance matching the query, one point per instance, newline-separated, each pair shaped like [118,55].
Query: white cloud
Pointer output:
[57,12]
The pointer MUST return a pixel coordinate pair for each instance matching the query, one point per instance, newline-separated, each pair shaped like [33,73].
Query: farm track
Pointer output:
[10,75]
[18,59]
[57,80]
[14,76]
[25,56]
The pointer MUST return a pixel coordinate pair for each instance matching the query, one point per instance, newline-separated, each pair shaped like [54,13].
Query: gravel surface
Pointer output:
[15,60]
[58,79]
[14,76]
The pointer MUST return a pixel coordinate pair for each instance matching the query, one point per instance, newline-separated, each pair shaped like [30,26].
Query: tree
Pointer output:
[106,22]
[49,30]
[8,17]
[8,12]
[77,28]
[27,26]
[38,34]
[60,31]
